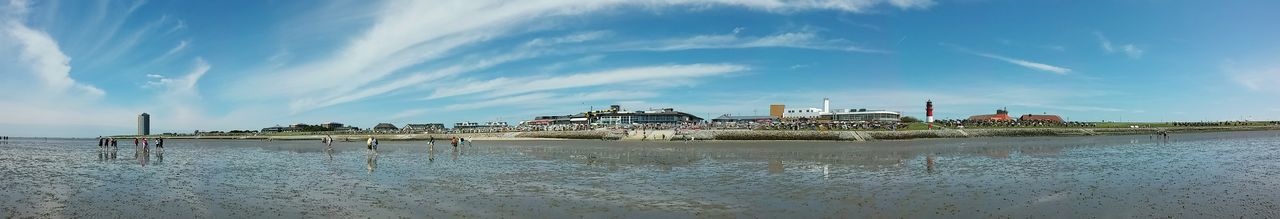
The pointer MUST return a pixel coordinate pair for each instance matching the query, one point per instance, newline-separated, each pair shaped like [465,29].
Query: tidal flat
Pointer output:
[1196,175]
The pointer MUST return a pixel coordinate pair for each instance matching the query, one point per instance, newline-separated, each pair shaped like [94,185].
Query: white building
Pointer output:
[841,114]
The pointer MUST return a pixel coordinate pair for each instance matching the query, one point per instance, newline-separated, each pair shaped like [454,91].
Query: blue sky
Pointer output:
[87,68]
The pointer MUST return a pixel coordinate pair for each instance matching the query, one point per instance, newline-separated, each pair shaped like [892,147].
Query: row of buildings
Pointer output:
[1002,115]
[615,115]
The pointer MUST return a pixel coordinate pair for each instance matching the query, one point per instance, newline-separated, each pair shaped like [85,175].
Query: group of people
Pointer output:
[371,145]
[144,142]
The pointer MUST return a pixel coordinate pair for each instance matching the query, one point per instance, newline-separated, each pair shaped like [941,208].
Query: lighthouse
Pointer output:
[928,112]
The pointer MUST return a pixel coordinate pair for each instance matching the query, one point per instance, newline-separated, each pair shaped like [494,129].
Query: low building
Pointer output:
[1041,118]
[864,115]
[1001,115]
[273,129]
[332,125]
[429,127]
[726,118]
[616,116]
[845,115]
[776,110]
[385,127]
[659,116]
[480,126]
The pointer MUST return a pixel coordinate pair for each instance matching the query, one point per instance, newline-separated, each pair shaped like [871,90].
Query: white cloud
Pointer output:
[803,40]
[185,85]
[912,4]
[45,59]
[1265,78]
[1027,64]
[1128,49]
[1020,62]
[178,48]
[507,86]
[542,100]
[405,34]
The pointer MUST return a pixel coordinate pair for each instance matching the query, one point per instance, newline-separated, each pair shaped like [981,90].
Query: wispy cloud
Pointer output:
[1128,49]
[802,40]
[1256,78]
[178,48]
[509,86]
[1028,64]
[46,59]
[407,34]
[1020,62]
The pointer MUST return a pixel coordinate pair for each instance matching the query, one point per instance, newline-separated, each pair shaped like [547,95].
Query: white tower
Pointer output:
[826,105]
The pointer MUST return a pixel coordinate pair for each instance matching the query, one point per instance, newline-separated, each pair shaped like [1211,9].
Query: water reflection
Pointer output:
[815,157]
[143,157]
[775,166]
[159,158]
[371,161]
[431,155]
[929,164]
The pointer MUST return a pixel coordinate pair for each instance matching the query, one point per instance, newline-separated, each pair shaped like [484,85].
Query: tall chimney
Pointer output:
[826,105]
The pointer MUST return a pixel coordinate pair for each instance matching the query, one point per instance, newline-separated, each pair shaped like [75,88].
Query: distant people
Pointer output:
[431,143]
[135,143]
[454,141]
[160,144]
[114,143]
[100,140]
[146,146]
[372,144]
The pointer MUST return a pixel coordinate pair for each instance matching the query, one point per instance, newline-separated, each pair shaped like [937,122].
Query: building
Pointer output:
[1001,115]
[615,115]
[273,129]
[726,118]
[144,124]
[846,115]
[385,127]
[777,110]
[429,127]
[1041,118]
[332,125]
[864,115]
[476,125]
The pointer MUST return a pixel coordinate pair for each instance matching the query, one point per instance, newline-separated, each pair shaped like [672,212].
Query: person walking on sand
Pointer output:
[328,143]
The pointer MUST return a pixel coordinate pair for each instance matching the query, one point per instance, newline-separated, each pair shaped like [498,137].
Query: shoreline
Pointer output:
[751,135]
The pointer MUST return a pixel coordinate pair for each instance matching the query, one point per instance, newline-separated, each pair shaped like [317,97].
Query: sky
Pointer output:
[88,68]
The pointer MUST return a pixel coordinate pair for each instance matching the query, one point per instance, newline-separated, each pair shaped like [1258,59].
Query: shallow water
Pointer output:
[1212,175]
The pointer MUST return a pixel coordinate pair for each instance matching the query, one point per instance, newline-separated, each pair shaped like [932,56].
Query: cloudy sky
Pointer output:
[87,68]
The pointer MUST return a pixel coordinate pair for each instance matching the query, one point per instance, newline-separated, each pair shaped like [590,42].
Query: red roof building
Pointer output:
[1001,115]
[1043,118]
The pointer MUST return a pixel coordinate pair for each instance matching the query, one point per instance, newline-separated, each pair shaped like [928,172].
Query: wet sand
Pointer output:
[1202,175]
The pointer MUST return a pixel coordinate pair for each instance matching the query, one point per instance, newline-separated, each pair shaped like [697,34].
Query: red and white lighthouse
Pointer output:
[928,112]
